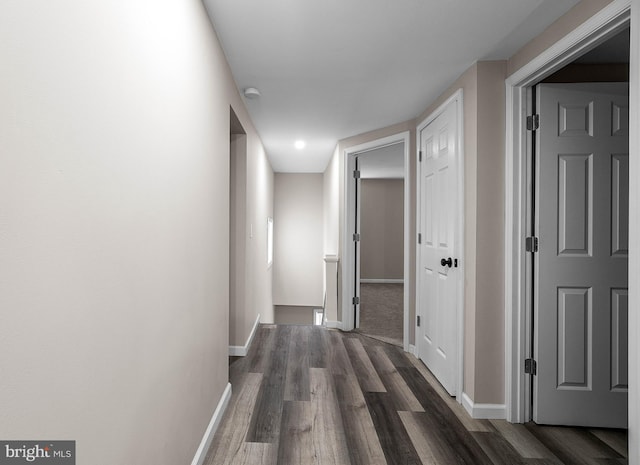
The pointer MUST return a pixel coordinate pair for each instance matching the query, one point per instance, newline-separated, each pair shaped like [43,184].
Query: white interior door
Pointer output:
[438,262]
[580,274]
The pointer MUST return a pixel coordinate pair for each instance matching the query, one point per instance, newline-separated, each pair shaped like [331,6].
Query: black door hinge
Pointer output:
[530,366]
[533,122]
[355,300]
[418,319]
[531,244]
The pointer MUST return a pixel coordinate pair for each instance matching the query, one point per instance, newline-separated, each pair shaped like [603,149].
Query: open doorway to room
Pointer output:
[567,247]
[383,166]
[238,292]
[381,219]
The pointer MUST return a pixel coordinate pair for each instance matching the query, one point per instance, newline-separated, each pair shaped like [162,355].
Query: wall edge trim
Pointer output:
[216,419]
[241,351]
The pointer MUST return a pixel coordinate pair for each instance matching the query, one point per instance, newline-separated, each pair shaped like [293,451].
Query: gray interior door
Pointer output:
[580,277]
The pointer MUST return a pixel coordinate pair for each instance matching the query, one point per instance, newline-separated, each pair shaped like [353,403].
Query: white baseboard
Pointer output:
[333,324]
[381,281]
[412,350]
[483,411]
[241,351]
[203,448]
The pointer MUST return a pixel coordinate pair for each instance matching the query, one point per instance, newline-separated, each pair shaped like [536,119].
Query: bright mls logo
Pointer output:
[38,452]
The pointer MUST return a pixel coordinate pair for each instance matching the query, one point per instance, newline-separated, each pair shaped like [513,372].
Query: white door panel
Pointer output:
[580,312]
[437,335]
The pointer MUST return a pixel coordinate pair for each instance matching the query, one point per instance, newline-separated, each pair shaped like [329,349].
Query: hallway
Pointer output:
[306,395]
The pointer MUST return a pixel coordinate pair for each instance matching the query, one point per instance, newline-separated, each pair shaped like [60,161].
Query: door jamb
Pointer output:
[348,275]
[610,20]
[457,98]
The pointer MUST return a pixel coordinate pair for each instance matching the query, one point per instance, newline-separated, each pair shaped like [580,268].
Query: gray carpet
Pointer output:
[381,312]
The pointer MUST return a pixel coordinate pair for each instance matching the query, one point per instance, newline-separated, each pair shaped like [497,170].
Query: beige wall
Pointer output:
[298,240]
[382,229]
[114,231]
[294,315]
[331,192]
[260,206]
[489,339]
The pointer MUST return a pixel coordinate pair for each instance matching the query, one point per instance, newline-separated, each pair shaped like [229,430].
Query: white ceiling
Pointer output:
[332,69]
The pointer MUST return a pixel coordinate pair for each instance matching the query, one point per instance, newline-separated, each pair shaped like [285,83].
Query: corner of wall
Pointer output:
[479,411]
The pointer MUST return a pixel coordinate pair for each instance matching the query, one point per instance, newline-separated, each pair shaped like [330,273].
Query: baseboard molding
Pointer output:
[241,351]
[483,411]
[203,448]
[333,324]
[412,350]
[382,281]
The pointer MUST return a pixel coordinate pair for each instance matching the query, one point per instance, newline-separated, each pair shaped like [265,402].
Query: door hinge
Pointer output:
[533,122]
[419,238]
[418,320]
[355,300]
[420,156]
[356,237]
[531,244]
[530,366]
[356,174]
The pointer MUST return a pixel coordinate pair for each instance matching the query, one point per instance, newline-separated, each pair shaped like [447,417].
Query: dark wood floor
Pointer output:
[307,395]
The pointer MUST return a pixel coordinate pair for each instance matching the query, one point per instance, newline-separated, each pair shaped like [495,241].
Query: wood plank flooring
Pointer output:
[308,395]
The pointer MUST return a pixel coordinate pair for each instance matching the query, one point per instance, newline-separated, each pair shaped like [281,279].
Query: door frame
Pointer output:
[457,99]
[349,266]
[604,24]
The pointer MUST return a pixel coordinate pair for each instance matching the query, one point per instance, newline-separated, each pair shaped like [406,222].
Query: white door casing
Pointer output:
[439,277]
[580,277]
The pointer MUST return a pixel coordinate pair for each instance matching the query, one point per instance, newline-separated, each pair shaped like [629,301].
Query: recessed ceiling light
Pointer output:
[300,144]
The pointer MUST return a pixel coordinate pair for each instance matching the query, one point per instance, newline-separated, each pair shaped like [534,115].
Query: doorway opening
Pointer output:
[380,201]
[238,293]
[557,329]
[383,166]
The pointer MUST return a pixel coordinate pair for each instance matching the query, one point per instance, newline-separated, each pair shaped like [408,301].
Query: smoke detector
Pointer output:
[251,93]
